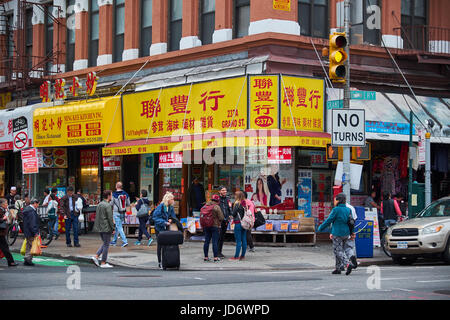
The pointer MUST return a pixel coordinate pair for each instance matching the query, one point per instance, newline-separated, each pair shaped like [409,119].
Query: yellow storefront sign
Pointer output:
[245,139]
[302,101]
[263,102]
[284,5]
[211,106]
[78,123]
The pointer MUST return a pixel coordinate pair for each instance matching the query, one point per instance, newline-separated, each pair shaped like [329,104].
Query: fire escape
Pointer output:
[22,70]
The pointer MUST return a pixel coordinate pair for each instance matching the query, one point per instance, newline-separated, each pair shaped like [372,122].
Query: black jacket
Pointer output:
[238,209]
[31,222]
[224,204]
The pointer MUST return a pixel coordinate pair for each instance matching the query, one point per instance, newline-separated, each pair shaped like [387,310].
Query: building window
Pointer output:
[93,33]
[119,29]
[70,52]
[313,18]
[10,37]
[207,21]
[49,38]
[414,24]
[29,38]
[361,30]
[146,27]
[175,24]
[241,18]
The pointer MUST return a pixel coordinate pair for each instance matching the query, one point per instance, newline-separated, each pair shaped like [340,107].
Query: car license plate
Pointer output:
[402,245]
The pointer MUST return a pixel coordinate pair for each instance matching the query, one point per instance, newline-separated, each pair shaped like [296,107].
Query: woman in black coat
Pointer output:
[3,231]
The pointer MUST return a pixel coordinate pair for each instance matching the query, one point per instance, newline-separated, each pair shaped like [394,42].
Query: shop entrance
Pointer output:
[130,176]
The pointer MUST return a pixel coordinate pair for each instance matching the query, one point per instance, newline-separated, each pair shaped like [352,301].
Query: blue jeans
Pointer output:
[72,221]
[119,228]
[53,226]
[211,233]
[240,235]
[389,222]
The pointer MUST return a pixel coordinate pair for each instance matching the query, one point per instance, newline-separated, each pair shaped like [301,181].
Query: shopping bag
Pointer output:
[36,247]
[1,254]
[24,247]
[191,227]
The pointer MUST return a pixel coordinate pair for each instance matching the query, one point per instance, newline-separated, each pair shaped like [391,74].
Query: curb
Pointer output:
[362,263]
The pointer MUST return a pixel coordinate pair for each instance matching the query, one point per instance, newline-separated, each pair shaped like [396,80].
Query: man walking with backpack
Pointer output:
[120,202]
[211,218]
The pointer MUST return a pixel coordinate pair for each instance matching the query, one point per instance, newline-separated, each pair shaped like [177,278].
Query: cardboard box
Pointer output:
[306,224]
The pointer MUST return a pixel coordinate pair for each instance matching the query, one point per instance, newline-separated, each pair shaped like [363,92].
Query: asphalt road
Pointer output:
[429,281]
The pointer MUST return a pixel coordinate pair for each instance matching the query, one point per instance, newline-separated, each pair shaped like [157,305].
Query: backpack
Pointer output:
[121,203]
[143,210]
[247,221]
[206,216]
[52,211]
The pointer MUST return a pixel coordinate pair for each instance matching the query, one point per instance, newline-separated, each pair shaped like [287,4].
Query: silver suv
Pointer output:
[428,234]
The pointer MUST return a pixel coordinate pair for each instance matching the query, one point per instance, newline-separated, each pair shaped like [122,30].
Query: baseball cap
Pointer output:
[13,188]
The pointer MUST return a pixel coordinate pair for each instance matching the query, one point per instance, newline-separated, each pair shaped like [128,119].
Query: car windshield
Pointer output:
[437,209]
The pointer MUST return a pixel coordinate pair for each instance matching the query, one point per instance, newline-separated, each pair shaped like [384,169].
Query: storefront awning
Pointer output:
[241,138]
[6,129]
[89,122]
[387,116]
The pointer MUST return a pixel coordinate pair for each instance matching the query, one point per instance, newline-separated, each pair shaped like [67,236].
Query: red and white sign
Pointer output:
[111,163]
[30,161]
[279,155]
[171,160]
[89,157]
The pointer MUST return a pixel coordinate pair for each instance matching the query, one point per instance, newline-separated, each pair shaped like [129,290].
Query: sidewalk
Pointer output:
[144,257]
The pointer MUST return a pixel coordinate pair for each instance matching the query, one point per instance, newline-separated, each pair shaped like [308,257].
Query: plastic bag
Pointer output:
[36,247]
[191,226]
[23,249]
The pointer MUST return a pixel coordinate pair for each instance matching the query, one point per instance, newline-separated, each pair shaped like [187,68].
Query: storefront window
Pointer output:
[51,178]
[146,177]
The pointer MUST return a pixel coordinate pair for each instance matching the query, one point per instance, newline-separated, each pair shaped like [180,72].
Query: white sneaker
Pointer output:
[96,261]
[106,265]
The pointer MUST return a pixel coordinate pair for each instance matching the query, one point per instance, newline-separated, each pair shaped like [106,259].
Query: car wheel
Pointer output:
[447,252]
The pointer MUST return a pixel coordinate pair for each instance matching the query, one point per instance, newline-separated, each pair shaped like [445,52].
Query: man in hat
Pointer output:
[10,197]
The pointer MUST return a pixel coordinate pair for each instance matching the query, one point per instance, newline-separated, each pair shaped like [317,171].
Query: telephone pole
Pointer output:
[346,103]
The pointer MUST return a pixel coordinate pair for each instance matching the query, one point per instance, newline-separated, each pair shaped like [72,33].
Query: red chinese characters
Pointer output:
[91,83]
[60,92]
[150,108]
[212,95]
[179,104]
[75,86]
[263,107]
[44,91]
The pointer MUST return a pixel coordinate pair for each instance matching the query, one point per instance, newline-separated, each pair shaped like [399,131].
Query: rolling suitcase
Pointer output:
[170,251]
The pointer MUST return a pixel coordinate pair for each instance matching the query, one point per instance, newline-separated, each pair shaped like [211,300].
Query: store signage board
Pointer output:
[283,5]
[348,128]
[59,91]
[20,133]
[30,161]
[111,163]
[388,127]
[263,102]
[279,155]
[171,160]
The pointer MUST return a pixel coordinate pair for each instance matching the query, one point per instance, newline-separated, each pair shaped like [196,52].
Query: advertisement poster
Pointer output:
[147,174]
[270,185]
[373,216]
[111,163]
[30,162]
[53,158]
[171,160]
[305,191]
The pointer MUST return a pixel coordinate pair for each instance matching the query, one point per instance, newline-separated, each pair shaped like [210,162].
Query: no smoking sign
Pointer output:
[20,140]
[20,133]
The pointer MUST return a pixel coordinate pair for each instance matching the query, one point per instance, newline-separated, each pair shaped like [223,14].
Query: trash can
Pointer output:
[364,238]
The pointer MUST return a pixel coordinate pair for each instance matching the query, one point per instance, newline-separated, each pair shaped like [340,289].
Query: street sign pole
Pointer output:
[346,149]
[410,164]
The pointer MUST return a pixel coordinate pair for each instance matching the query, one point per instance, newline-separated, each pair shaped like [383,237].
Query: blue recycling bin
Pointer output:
[361,213]
[364,238]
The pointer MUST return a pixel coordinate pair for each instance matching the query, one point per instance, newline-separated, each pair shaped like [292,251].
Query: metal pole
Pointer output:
[410,164]
[346,150]
[427,169]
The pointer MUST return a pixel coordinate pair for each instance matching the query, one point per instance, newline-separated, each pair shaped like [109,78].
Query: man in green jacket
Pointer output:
[104,224]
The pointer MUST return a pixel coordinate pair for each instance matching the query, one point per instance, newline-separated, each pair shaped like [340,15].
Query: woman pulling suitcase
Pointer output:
[163,216]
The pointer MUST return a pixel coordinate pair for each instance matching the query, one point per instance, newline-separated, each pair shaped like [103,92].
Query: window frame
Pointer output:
[366,31]
[206,34]
[408,21]
[237,5]
[118,39]
[70,47]
[172,25]
[144,48]
[93,43]
[312,8]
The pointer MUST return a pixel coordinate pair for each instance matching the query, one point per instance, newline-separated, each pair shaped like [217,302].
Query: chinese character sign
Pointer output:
[263,102]
[204,107]
[302,101]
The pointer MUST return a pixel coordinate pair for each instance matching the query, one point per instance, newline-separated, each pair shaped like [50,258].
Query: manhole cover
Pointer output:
[123,257]
[446,292]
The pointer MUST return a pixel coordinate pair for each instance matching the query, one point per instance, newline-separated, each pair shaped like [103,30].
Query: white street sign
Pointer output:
[348,127]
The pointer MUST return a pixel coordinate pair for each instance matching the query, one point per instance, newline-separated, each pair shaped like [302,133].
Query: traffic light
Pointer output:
[338,56]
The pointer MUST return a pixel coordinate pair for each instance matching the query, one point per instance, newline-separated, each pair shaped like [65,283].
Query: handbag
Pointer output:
[259,219]
[36,247]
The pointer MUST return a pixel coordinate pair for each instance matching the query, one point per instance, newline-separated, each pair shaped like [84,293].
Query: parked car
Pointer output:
[426,235]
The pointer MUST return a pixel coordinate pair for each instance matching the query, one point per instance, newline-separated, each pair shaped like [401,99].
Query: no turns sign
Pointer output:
[348,127]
